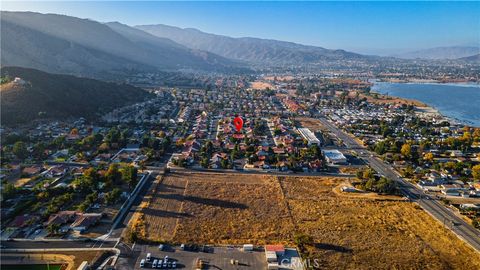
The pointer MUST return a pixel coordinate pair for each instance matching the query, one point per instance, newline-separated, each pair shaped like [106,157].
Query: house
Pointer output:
[23,220]
[61,218]
[56,171]
[85,221]
[452,190]
[456,153]
[434,179]
[32,170]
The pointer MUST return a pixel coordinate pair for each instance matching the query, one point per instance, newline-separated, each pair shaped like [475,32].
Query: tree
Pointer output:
[476,172]
[112,196]
[380,148]
[113,174]
[83,207]
[180,142]
[9,191]
[428,157]
[368,174]
[129,175]
[406,150]
[224,163]
[20,150]
[385,185]
[204,162]
[53,228]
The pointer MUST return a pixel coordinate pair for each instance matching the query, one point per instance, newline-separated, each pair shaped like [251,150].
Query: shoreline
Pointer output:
[429,109]
[432,82]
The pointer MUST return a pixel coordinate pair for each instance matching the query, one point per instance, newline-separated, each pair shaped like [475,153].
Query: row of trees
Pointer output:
[375,183]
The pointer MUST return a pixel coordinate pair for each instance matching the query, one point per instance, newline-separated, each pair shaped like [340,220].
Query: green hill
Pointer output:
[39,94]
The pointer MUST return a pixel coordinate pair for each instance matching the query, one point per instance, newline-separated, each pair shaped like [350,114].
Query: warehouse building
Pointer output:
[308,135]
[334,157]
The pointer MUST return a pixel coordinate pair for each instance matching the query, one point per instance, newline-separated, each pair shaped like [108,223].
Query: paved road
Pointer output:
[257,172]
[464,230]
[56,244]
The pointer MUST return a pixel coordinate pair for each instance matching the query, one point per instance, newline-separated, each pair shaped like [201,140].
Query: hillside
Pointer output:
[164,49]
[473,58]
[56,96]
[453,52]
[64,44]
[254,50]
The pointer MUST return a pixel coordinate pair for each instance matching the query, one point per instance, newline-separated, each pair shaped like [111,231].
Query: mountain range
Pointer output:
[64,44]
[451,52]
[252,50]
[83,47]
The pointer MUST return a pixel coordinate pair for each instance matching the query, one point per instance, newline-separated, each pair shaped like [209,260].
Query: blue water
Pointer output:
[461,102]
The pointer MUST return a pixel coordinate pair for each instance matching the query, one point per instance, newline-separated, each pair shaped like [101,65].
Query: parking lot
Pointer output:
[215,258]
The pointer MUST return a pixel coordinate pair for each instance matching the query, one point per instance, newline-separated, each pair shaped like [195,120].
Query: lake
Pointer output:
[458,101]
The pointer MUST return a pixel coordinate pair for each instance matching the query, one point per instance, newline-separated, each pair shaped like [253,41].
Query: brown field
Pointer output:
[261,85]
[366,233]
[218,208]
[384,99]
[349,232]
[310,123]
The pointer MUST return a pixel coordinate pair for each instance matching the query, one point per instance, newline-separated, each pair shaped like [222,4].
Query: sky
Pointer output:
[381,27]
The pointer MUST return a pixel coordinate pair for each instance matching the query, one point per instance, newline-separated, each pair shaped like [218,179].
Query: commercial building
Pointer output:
[308,135]
[334,157]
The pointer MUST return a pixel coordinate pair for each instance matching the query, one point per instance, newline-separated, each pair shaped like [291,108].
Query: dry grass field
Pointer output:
[366,233]
[261,85]
[349,232]
[384,99]
[251,211]
[164,209]
[218,208]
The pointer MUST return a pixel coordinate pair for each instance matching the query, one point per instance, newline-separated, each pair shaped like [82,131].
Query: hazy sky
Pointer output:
[368,27]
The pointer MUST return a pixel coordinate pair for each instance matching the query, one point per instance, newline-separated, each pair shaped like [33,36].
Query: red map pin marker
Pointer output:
[238,122]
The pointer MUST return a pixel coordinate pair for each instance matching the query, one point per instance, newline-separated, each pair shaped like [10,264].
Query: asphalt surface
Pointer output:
[216,258]
[456,224]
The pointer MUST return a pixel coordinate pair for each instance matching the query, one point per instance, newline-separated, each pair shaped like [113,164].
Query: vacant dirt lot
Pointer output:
[218,208]
[260,85]
[365,233]
[164,209]
[349,232]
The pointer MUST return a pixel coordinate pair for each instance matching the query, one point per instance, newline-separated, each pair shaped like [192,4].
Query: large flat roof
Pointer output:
[308,135]
[333,154]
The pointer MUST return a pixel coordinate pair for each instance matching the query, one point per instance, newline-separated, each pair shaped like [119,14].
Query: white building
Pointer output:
[308,135]
[334,157]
